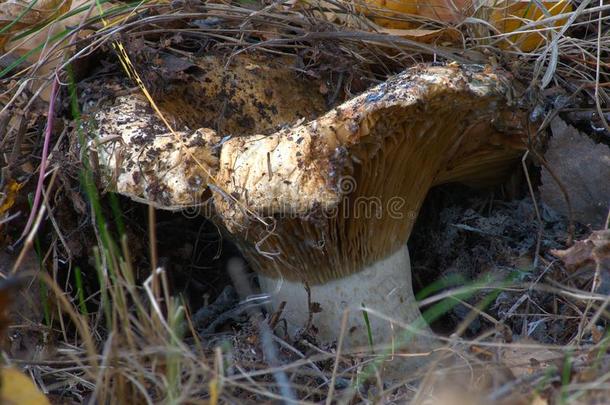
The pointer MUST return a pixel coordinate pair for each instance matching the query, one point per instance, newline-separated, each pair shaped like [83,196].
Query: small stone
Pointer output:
[583,167]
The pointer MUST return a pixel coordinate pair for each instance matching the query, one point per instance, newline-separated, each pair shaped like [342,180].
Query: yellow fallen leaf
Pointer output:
[506,15]
[18,389]
[509,16]
[10,192]
[538,400]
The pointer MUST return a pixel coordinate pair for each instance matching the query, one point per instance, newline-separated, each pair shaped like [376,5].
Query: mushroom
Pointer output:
[323,210]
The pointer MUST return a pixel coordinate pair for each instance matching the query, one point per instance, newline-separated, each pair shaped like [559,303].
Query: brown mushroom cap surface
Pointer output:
[325,199]
[139,156]
[343,191]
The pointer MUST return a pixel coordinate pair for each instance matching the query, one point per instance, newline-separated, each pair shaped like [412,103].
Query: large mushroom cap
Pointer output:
[343,191]
[324,199]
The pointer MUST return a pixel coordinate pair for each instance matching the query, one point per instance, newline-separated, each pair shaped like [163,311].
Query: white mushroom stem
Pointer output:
[382,288]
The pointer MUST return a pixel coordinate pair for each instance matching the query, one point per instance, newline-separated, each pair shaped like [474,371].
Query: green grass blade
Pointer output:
[80,291]
[367,322]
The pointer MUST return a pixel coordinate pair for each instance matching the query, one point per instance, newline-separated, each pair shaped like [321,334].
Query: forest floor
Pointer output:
[524,266]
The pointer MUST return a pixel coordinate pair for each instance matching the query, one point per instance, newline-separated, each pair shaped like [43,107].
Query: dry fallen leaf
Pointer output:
[16,15]
[584,169]
[509,16]
[506,15]
[17,389]
[447,34]
[386,11]
[390,9]
[588,255]
[46,19]
[526,360]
